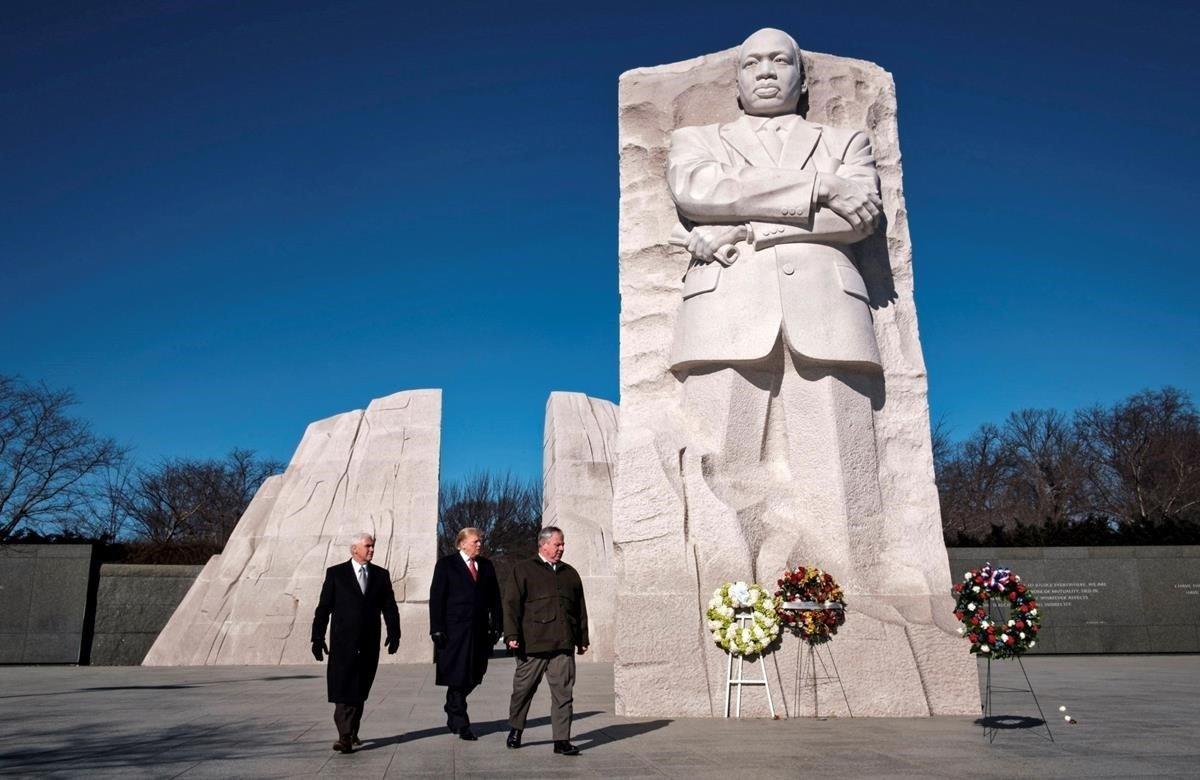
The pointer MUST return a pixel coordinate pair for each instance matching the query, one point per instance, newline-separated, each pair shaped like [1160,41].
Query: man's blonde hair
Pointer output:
[465,533]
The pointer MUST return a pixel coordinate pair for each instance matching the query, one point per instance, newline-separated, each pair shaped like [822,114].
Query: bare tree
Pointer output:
[194,501]
[972,483]
[103,515]
[47,457]
[941,443]
[1144,457]
[1131,471]
[1047,478]
[506,509]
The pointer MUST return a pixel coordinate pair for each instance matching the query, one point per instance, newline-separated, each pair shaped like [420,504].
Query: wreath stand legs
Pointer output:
[807,658]
[990,722]
[741,680]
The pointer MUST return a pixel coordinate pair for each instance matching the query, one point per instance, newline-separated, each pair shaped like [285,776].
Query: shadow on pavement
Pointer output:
[482,728]
[617,732]
[1009,722]
[108,745]
[164,687]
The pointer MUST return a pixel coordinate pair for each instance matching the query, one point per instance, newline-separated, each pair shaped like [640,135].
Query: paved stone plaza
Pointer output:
[1136,717]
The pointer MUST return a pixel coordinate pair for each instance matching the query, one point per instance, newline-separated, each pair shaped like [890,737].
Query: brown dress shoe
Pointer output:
[355,741]
[342,746]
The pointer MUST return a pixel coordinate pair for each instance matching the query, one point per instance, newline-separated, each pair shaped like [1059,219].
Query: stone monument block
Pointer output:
[133,604]
[773,392]
[44,603]
[578,462]
[373,471]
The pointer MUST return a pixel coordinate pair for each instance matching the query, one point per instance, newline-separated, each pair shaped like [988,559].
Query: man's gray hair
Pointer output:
[361,537]
[547,532]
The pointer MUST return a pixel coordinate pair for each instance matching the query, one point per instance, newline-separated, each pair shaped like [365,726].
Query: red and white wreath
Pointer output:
[998,613]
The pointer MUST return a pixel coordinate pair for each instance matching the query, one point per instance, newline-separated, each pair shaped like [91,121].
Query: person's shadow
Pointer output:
[616,732]
[481,729]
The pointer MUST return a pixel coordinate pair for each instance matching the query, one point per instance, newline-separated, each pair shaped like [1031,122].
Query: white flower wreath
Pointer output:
[732,598]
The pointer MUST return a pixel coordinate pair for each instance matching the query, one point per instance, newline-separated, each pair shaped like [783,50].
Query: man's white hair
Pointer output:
[361,537]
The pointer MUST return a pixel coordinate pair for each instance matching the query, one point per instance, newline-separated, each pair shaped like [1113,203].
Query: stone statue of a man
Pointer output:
[774,341]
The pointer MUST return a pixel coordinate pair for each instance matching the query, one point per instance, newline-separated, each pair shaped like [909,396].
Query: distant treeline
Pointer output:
[60,482]
[1122,474]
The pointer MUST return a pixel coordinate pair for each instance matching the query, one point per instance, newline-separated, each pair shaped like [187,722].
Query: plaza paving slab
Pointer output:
[1137,717]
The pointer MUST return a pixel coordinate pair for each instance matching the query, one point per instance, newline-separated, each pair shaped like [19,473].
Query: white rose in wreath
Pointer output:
[739,593]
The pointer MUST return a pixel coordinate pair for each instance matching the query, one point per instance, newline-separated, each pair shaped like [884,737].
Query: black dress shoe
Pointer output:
[565,748]
[355,741]
[514,738]
[467,734]
[343,746]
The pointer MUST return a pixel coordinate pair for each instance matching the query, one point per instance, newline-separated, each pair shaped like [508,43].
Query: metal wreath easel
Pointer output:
[745,619]
[990,730]
[809,655]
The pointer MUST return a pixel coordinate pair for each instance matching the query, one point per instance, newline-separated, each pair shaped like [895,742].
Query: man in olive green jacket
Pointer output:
[545,623]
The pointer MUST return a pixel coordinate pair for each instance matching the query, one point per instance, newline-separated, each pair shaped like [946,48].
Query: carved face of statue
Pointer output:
[770,74]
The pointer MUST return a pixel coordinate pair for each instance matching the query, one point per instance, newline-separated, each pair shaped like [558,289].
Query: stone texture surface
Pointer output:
[675,540]
[44,603]
[133,604]
[1105,599]
[579,454]
[374,471]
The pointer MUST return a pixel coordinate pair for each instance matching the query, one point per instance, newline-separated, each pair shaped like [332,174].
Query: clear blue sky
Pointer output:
[224,220]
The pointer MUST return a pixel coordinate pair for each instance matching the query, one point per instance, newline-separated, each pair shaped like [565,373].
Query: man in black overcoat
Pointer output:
[464,622]
[355,593]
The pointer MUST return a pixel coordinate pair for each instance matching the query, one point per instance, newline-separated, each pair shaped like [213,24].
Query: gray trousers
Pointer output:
[559,670]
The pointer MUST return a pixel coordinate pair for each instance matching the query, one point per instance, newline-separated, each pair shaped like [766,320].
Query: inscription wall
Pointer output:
[1105,599]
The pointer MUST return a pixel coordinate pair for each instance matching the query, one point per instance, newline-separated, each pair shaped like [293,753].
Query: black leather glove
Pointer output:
[439,639]
[319,650]
[393,644]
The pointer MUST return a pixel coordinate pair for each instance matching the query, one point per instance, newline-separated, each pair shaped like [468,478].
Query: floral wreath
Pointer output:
[981,624]
[723,620]
[811,586]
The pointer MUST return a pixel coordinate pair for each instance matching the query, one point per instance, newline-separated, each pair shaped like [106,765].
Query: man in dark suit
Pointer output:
[355,593]
[464,623]
[545,622]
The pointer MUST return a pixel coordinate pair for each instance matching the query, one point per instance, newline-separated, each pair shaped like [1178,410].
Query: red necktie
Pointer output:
[471,568]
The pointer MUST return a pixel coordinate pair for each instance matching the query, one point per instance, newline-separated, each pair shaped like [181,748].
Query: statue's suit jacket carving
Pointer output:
[798,273]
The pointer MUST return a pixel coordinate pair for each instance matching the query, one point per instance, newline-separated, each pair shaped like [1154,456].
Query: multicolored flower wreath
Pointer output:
[817,590]
[981,598]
